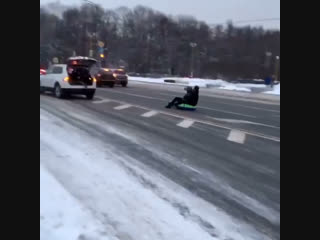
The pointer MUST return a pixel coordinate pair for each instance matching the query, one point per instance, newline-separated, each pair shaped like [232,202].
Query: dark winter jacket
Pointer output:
[188,97]
[195,97]
[192,96]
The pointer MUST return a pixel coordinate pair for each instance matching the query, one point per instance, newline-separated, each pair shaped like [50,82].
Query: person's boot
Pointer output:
[169,105]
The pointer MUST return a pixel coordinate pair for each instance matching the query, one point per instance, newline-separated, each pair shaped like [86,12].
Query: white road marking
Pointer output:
[242,121]
[134,95]
[187,123]
[150,114]
[255,134]
[232,104]
[122,107]
[163,100]
[193,169]
[101,101]
[223,111]
[250,107]
[205,92]
[237,136]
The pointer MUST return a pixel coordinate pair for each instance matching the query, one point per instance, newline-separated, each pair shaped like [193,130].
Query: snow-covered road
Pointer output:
[91,191]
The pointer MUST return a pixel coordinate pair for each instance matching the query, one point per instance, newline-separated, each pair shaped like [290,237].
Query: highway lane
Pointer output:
[243,179]
[250,116]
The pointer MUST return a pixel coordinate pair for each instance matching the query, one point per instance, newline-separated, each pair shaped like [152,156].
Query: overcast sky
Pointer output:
[211,11]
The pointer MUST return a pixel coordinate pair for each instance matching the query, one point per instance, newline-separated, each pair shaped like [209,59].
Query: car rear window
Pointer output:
[89,64]
[57,70]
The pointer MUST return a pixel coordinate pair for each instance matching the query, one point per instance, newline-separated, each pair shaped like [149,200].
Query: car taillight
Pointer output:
[94,80]
[115,75]
[66,79]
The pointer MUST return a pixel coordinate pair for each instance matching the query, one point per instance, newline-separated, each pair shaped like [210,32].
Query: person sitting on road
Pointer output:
[191,98]
[195,96]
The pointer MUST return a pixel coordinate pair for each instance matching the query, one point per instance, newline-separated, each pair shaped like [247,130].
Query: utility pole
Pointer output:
[95,34]
[193,46]
[277,68]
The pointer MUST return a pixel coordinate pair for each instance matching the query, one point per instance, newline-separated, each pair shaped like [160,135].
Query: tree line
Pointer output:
[147,41]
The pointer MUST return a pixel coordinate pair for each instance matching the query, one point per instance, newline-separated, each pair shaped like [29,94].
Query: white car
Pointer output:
[72,78]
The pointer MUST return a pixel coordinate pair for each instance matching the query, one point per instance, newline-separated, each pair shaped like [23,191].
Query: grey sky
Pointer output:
[211,11]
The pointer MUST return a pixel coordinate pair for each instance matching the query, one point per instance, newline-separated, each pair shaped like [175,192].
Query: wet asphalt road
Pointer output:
[239,174]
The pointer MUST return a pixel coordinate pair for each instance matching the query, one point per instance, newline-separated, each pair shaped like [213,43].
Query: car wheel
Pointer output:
[111,85]
[124,84]
[58,92]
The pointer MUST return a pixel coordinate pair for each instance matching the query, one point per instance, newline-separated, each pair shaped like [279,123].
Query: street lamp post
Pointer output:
[95,34]
[193,45]
[277,68]
[268,60]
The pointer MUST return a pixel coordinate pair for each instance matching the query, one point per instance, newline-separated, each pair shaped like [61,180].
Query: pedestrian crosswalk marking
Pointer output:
[122,107]
[101,101]
[186,123]
[150,114]
[237,136]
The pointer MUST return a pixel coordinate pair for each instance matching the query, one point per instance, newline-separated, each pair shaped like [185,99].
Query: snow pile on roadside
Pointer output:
[234,87]
[192,81]
[147,80]
[103,188]
[220,84]
[204,83]
[275,91]
[251,85]
[61,216]
[176,81]
[172,80]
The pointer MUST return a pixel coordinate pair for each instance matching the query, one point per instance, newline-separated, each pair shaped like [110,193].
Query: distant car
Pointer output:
[105,78]
[43,71]
[110,77]
[75,77]
[121,77]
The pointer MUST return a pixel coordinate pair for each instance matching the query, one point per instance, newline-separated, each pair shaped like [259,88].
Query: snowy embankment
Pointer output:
[88,192]
[275,91]
[219,84]
[62,216]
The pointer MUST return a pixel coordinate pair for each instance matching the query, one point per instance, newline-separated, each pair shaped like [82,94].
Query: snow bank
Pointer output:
[173,80]
[275,91]
[234,87]
[251,85]
[147,80]
[61,216]
[204,83]
[102,187]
